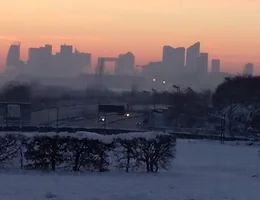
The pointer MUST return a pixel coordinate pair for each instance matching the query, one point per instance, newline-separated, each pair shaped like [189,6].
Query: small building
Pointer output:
[15,113]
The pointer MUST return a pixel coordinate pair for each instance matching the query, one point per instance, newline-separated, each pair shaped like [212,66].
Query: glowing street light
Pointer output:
[164,82]
[154,79]
[127,115]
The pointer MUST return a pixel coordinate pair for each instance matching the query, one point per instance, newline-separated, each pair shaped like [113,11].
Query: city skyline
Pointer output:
[235,65]
[190,70]
[183,52]
[227,29]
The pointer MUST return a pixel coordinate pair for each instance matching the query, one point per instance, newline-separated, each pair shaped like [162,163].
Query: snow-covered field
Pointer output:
[202,170]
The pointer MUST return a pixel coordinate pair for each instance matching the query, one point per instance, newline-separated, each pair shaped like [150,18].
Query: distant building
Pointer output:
[33,57]
[173,60]
[215,66]
[66,49]
[40,60]
[153,71]
[202,64]
[47,62]
[48,51]
[168,57]
[13,56]
[81,61]
[191,56]
[64,62]
[179,59]
[125,64]
[248,69]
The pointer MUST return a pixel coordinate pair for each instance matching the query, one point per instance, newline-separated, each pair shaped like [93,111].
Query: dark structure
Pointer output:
[15,113]
[111,109]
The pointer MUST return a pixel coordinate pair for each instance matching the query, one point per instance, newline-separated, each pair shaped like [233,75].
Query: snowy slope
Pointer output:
[202,170]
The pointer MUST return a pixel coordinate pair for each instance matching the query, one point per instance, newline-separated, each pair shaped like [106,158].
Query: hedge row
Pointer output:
[82,151]
[178,134]
[44,129]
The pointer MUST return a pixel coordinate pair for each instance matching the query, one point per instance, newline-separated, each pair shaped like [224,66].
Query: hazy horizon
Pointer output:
[226,29]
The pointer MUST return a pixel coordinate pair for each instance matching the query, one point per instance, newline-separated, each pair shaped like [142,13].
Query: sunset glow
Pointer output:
[228,29]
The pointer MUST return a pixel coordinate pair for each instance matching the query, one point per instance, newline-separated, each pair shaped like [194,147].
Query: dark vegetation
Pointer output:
[51,152]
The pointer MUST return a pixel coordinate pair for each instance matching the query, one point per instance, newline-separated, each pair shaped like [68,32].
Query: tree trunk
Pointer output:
[147,166]
[128,159]
[53,156]
[76,164]
[21,157]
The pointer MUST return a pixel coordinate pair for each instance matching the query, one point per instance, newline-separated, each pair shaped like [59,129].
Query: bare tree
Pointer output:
[80,153]
[156,153]
[46,152]
[8,148]
[126,153]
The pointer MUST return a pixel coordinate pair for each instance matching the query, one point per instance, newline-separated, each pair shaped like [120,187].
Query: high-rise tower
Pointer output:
[202,64]
[215,66]
[191,56]
[13,56]
[125,64]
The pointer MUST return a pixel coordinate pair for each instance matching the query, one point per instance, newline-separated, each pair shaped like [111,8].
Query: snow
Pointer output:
[202,170]
[241,112]
[79,135]
[145,135]
[92,136]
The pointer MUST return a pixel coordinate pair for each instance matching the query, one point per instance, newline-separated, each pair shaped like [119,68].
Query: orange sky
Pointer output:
[228,29]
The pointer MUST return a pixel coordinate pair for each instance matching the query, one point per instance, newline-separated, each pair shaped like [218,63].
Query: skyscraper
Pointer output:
[33,57]
[153,70]
[125,64]
[173,60]
[248,69]
[168,58]
[66,49]
[179,61]
[13,56]
[48,50]
[202,64]
[40,60]
[81,61]
[191,56]
[215,66]
[65,60]
[69,63]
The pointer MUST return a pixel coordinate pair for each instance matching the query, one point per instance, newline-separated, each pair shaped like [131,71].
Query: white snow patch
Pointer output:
[92,136]
[144,135]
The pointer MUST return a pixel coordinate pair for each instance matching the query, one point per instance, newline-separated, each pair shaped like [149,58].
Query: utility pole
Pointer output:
[154,99]
[230,116]
[105,125]
[57,118]
[154,106]
[6,117]
[222,126]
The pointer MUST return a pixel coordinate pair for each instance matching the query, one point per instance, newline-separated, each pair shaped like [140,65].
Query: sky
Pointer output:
[227,29]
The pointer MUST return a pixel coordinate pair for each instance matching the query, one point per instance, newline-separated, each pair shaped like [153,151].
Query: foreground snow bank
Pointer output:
[91,136]
[202,170]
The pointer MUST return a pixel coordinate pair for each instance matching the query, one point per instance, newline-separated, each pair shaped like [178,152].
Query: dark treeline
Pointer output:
[232,108]
[86,151]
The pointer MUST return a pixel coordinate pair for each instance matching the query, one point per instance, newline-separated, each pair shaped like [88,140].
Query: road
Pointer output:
[116,121]
[87,116]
